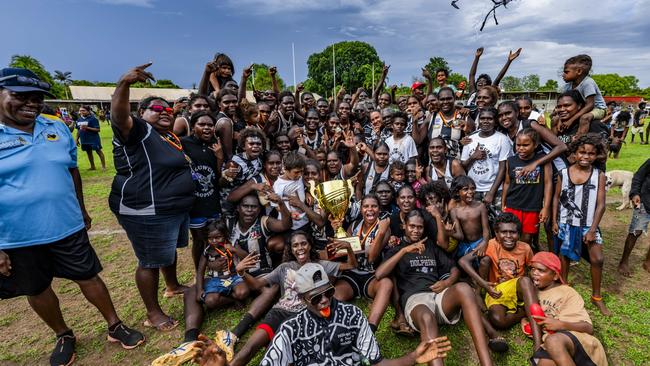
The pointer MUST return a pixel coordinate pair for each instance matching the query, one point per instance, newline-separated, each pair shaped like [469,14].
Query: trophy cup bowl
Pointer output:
[334,197]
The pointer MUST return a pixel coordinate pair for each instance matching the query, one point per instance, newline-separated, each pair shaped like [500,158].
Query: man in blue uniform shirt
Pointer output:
[43,220]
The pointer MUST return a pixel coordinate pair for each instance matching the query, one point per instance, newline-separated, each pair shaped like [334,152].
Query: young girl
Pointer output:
[578,207]
[207,158]
[569,339]
[374,171]
[372,231]
[528,195]
[217,283]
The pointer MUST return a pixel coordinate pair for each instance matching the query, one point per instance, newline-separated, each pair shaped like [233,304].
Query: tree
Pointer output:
[262,79]
[63,77]
[614,84]
[165,84]
[551,85]
[30,63]
[511,83]
[530,82]
[455,79]
[350,56]
[437,63]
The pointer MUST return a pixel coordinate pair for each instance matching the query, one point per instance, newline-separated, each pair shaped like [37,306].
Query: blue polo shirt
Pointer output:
[38,204]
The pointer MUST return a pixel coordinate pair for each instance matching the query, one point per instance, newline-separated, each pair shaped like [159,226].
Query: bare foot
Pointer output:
[92,168]
[624,269]
[175,291]
[600,304]
[646,266]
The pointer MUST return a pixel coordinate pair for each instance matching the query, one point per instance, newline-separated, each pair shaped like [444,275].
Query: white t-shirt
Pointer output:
[401,150]
[484,172]
[286,188]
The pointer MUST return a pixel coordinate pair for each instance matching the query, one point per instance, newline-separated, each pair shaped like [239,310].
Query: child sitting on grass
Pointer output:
[568,338]
[578,207]
[217,282]
[502,273]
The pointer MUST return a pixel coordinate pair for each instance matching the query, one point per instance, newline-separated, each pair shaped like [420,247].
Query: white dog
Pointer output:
[623,179]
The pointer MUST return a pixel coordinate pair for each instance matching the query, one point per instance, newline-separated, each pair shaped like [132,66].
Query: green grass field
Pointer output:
[25,340]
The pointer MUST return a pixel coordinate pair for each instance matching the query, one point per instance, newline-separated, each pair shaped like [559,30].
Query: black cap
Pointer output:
[23,81]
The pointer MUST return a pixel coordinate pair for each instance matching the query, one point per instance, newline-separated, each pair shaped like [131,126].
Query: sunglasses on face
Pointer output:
[25,81]
[329,293]
[159,109]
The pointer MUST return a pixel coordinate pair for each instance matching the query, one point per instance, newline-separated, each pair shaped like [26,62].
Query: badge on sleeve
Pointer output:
[52,137]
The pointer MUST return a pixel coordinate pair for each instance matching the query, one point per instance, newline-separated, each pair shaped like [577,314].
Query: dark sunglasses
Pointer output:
[25,81]
[329,293]
[159,109]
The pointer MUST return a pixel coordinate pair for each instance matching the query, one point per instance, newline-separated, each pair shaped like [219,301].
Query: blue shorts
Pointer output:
[569,241]
[222,286]
[640,221]
[154,238]
[200,222]
[465,247]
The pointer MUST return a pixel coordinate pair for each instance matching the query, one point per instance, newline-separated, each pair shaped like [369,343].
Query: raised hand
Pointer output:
[247,72]
[137,74]
[432,349]
[479,51]
[217,149]
[385,69]
[300,87]
[273,70]
[211,67]
[349,140]
[513,55]
[426,73]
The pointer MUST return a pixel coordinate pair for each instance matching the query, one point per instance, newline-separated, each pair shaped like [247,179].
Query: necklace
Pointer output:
[363,236]
[172,140]
[444,120]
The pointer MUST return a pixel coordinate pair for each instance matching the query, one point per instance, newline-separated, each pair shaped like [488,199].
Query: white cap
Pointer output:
[310,276]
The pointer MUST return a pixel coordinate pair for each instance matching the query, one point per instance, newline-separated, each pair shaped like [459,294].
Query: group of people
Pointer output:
[447,204]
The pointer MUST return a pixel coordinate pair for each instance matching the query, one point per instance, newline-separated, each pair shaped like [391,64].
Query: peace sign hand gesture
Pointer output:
[137,74]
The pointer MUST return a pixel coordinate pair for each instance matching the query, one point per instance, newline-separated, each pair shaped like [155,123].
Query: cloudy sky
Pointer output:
[100,39]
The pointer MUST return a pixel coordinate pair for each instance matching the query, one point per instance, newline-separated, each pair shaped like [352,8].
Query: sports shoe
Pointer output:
[226,340]
[127,337]
[63,353]
[177,356]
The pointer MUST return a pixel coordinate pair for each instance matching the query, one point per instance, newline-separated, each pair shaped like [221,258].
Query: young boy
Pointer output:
[290,184]
[401,145]
[469,218]
[578,207]
[502,273]
[569,336]
[640,196]
[576,76]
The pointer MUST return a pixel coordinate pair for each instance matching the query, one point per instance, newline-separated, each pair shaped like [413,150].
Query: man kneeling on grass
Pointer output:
[327,332]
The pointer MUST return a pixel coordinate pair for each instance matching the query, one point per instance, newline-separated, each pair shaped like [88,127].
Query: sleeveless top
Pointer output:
[578,201]
[253,239]
[372,177]
[187,124]
[366,239]
[449,131]
[448,177]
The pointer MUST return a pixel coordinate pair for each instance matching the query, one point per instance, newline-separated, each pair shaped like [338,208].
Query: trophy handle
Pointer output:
[312,191]
[351,188]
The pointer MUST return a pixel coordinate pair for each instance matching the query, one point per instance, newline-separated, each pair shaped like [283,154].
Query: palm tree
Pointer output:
[64,77]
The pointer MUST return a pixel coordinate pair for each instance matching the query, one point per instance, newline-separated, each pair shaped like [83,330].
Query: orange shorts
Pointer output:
[529,220]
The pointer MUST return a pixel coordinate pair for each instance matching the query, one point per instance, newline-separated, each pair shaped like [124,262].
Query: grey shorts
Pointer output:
[640,220]
[433,301]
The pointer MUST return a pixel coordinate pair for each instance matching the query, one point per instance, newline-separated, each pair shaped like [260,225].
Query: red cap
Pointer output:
[550,261]
[417,85]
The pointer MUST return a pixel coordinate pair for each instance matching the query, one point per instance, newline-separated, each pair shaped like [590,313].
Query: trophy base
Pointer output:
[355,243]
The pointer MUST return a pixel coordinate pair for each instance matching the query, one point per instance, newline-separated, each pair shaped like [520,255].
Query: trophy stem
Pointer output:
[340,233]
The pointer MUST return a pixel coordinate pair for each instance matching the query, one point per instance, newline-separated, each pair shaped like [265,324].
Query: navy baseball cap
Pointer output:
[23,81]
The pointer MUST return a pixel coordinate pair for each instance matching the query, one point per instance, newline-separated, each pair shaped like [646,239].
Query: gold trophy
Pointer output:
[334,197]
